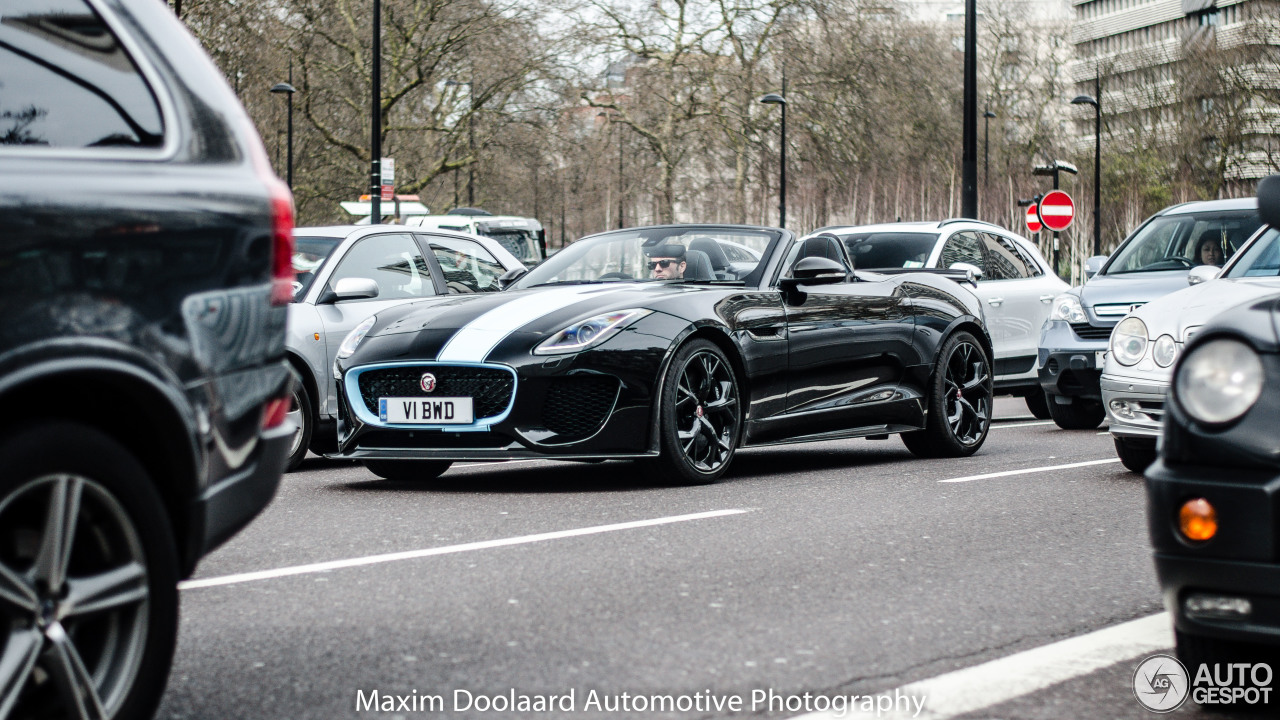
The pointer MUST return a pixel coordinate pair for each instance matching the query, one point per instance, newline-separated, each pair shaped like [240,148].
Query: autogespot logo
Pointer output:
[1161,683]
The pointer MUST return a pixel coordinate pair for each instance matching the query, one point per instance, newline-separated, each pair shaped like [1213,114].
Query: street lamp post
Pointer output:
[986,148]
[610,116]
[288,90]
[776,99]
[375,142]
[1097,161]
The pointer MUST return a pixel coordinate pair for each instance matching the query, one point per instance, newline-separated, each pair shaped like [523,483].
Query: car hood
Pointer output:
[465,327]
[1187,309]
[1131,288]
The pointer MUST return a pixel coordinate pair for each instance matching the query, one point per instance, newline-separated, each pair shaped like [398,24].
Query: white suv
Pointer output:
[1015,283]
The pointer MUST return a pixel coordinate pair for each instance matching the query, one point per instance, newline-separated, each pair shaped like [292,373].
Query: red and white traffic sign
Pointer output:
[1057,210]
[1033,218]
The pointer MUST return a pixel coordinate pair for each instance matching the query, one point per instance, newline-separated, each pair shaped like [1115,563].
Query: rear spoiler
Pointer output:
[960,276]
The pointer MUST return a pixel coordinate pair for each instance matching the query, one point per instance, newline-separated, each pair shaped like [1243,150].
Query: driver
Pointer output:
[666,261]
[1208,252]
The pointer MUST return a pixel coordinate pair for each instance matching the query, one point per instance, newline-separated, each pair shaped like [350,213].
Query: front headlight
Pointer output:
[353,338]
[1068,308]
[592,331]
[1219,381]
[1129,341]
[1164,351]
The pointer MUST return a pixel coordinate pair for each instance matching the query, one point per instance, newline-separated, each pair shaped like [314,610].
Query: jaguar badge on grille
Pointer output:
[428,382]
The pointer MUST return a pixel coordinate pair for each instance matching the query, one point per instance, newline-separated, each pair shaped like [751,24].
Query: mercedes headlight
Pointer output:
[353,338]
[1068,308]
[1129,341]
[1164,351]
[592,331]
[1219,381]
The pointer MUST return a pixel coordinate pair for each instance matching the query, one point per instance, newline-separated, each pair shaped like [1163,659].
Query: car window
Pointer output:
[67,82]
[467,266]
[309,253]
[520,243]
[394,262]
[1003,260]
[869,250]
[1033,267]
[963,247]
[1176,242]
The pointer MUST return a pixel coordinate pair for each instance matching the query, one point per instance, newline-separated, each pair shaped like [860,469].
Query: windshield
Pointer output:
[309,253]
[1180,242]
[520,243]
[1261,259]
[662,253]
[889,249]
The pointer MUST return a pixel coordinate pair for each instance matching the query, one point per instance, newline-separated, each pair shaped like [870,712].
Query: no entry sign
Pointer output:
[1033,218]
[1057,210]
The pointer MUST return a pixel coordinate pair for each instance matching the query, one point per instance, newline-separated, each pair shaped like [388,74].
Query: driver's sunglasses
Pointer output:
[664,264]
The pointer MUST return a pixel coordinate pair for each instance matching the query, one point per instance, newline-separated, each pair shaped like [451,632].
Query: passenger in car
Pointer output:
[1208,251]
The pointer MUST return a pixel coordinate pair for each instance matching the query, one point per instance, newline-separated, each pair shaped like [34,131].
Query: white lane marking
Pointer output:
[448,550]
[1025,471]
[1030,424]
[982,686]
[475,340]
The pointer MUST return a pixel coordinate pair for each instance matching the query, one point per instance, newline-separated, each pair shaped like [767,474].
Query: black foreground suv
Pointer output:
[145,249]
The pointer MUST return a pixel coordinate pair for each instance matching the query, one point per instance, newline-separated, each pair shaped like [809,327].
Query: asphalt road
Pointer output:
[841,568]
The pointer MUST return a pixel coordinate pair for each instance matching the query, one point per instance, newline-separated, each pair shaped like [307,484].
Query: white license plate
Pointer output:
[1102,358]
[426,411]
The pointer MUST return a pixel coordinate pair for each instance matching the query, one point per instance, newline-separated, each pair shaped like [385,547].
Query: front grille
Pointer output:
[1085,331]
[434,440]
[489,388]
[577,406]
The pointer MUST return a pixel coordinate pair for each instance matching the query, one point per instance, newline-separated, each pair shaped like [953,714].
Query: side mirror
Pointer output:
[355,288]
[973,270]
[506,279]
[815,271]
[1269,200]
[1093,265]
[1203,273]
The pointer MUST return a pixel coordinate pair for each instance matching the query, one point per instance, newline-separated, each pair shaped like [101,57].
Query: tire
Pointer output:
[1195,650]
[959,403]
[1081,414]
[1038,404]
[700,416]
[408,470]
[121,548]
[302,412]
[1136,453]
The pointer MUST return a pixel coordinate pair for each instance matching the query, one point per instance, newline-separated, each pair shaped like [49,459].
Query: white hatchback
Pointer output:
[1014,282]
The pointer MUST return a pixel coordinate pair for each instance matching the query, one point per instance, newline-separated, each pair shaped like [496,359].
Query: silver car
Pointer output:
[1144,345]
[1014,282]
[345,274]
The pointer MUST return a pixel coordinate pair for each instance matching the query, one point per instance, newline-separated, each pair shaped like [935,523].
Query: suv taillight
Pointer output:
[281,244]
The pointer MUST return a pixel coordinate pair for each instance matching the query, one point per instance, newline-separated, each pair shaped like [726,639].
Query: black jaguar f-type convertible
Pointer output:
[673,345]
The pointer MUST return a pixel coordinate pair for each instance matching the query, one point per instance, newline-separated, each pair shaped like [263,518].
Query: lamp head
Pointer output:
[283,88]
[773,99]
[1084,100]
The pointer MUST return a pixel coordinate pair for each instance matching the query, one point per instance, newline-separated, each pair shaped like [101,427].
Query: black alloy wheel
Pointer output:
[302,415]
[88,579]
[959,410]
[408,470]
[701,415]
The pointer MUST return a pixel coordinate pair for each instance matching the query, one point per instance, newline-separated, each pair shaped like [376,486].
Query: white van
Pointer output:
[523,237]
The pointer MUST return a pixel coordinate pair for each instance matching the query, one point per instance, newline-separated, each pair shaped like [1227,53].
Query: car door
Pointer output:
[849,346]
[394,261]
[1016,303]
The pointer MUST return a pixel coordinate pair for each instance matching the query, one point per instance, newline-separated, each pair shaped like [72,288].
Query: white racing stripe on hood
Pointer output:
[475,340]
